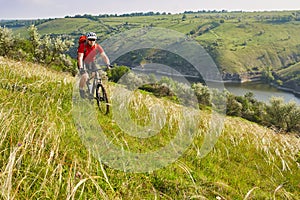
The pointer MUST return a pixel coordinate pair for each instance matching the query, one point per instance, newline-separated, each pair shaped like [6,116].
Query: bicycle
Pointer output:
[97,91]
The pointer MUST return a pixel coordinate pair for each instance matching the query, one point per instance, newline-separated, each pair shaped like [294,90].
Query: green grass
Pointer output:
[291,73]
[43,157]
[245,45]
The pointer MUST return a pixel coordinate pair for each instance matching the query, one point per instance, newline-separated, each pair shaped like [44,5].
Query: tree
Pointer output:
[117,72]
[283,116]
[46,50]
[50,51]
[59,47]
[293,117]
[45,47]
[7,41]
[34,38]
[202,93]
[233,107]
[267,74]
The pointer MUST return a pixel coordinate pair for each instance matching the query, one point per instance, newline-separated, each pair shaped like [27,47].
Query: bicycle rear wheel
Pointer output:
[102,100]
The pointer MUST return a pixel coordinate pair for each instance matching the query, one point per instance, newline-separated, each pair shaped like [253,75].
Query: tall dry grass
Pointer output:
[43,157]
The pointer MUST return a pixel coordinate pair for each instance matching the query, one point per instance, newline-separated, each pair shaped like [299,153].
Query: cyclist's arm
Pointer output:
[103,55]
[80,60]
[105,58]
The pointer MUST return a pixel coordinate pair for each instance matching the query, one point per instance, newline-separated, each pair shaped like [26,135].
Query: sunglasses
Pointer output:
[92,39]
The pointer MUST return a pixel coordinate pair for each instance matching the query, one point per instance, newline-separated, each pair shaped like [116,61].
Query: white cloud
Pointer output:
[37,2]
[56,8]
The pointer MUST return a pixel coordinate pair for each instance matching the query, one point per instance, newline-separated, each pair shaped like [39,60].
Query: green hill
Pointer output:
[243,43]
[43,157]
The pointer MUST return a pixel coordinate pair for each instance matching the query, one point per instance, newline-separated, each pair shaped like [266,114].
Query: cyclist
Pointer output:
[86,59]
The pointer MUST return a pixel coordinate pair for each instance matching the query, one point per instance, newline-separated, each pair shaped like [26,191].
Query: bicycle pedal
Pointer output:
[90,97]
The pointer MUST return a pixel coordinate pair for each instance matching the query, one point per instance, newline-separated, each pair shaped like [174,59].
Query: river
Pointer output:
[262,92]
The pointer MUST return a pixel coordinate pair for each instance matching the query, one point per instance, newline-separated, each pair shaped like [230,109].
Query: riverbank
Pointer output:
[234,81]
[241,77]
[262,92]
[290,86]
[286,89]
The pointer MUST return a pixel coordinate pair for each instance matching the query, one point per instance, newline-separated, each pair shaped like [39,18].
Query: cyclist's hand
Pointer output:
[82,71]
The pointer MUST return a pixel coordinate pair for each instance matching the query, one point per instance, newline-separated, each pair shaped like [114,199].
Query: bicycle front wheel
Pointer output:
[102,100]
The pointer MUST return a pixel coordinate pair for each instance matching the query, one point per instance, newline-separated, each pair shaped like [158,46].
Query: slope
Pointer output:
[239,42]
[42,155]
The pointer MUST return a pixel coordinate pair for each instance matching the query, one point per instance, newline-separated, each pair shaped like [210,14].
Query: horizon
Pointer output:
[35,9]
[177,13]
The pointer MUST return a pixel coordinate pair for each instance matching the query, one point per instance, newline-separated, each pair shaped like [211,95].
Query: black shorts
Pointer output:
[90,66]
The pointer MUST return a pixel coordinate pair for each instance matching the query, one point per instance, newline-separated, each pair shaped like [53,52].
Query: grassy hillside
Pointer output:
[239,42]
[292,73]
[43,157]
[255,45]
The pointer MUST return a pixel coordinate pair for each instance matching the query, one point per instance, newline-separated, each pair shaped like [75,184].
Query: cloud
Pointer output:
[32,9]
[37,2]
[17,9]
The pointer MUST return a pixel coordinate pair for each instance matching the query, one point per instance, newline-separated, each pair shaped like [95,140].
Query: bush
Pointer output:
[117,72]
[7,41]
[45,50]
[234,108]
[283,116]
[202,93]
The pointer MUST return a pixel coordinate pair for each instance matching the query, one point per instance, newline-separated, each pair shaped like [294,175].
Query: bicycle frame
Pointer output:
[96,79]
[97,91]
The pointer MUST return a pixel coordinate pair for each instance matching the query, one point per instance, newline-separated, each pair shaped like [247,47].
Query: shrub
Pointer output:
[202,93]
[117,72]
[45,50]
[7,41]
[283,116]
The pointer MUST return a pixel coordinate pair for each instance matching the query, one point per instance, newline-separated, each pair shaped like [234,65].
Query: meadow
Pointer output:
[43,156]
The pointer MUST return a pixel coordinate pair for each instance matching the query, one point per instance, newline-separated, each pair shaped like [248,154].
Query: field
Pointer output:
[43,155]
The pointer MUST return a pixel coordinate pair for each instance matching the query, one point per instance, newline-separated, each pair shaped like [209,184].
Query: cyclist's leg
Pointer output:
[91,71]
[83,79]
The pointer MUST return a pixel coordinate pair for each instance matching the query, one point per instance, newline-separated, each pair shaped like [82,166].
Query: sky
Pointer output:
[44,9]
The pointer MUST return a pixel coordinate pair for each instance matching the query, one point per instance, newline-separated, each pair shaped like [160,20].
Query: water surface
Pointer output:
[262,92]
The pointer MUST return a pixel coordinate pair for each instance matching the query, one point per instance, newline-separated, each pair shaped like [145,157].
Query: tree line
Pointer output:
[22,23]
[134,14]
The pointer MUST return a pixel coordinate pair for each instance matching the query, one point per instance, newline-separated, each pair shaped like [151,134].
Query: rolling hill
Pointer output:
[43,157]
[243,44]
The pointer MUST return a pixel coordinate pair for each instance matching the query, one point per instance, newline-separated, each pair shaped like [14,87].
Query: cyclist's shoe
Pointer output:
[82,94]
[90,97]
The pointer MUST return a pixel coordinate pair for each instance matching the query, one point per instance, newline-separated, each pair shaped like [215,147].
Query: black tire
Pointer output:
[102,100]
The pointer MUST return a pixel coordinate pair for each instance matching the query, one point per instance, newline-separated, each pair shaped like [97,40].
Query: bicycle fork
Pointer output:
[90,87]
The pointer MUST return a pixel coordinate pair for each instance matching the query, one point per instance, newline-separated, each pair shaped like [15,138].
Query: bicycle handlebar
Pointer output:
[97,69]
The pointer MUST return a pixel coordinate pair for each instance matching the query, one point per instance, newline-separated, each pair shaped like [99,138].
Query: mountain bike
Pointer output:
[97,91]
